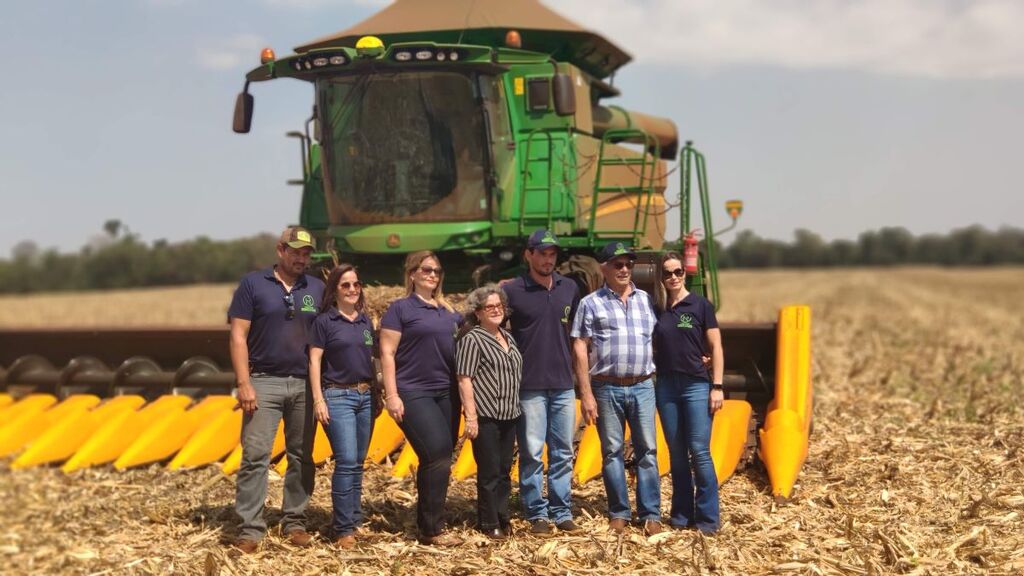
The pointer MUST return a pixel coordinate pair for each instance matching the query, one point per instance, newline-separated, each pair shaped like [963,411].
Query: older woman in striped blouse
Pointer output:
[489,367]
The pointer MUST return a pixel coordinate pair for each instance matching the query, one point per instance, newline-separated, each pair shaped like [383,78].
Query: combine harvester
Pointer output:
[457,126]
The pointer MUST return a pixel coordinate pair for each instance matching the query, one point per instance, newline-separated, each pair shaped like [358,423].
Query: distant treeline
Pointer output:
[119,259]
[971,246]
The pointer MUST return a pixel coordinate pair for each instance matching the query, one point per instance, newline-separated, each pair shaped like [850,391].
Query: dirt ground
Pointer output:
[916,462]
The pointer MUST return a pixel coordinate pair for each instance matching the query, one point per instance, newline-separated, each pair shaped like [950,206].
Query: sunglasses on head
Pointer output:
[289,301]
[427,270]
[678,273]
[347,285]
[619,265]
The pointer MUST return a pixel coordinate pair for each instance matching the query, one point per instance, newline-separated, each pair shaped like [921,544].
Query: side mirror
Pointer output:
[243,113]
[565,95]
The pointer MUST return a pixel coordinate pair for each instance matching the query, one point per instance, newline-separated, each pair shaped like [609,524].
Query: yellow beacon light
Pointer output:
[267,55]
[369,47]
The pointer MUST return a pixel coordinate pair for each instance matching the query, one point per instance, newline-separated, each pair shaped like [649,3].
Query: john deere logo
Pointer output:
[367,338]
[308,304]
[548,239]
[565,315]
[394,241]
[620,249]
[303,236]
[685,320]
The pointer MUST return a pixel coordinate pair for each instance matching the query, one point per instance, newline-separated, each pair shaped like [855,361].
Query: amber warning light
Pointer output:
[267,55]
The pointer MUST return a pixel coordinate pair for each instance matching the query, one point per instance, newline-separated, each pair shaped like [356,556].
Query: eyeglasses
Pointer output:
[353,285]
[678,273]
[623,264]
[427,270]
[493,308]
[289,301]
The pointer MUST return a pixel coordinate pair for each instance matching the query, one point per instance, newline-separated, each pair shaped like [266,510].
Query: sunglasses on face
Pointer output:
[351,285]
[678,273]
[493,308]
[289,301]
[427,270]
[623,264]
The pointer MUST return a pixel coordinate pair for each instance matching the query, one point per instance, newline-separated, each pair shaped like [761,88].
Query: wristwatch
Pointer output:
[716,386]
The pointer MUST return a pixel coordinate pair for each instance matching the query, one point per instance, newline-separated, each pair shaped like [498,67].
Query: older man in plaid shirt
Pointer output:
[612,336]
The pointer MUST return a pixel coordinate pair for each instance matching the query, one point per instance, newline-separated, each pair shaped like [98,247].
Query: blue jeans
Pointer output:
[634,404]
[349,433]
[548,416]
[686,419]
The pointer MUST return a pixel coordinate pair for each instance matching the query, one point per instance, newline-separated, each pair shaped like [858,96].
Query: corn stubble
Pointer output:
[915,464]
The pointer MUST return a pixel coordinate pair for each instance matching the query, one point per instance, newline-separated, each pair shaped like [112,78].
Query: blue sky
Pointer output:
[833,115]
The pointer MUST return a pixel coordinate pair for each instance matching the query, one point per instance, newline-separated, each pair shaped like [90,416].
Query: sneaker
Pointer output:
[567,526]
[540,526]
[617,525]
[652,527]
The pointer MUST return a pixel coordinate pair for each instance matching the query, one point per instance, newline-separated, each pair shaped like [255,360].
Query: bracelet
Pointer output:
[716,386]
[319,401]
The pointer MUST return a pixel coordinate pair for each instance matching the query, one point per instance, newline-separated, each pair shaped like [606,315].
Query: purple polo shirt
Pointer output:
[541,320]
[425,359]
[277,345]
[680,337]
[347,345]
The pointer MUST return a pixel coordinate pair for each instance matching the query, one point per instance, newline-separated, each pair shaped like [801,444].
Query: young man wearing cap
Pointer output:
[270,316]
[543,303]
[617,322]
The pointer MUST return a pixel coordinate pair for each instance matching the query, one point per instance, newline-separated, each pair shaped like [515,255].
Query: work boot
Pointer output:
[346,542]
[445,540]
[652,527]
[246,546]
[617,525]
[299,537]
[567,526]
[540,526]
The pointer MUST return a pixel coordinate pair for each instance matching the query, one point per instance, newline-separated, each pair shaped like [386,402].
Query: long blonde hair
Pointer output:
[412,263]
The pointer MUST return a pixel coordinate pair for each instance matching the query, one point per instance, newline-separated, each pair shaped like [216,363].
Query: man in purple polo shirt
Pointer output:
[543,303]
[270,317]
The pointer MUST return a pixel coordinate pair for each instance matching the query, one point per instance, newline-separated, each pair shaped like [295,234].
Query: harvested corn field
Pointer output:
[916,461]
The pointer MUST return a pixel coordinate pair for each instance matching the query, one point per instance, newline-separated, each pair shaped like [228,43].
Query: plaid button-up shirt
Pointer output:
[620,333]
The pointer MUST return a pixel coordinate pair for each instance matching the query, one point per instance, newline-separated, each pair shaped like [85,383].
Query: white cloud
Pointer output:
[238,51]
[924,38]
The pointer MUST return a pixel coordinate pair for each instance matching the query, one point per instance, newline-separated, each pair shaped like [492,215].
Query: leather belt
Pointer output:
[360,387]
[622,380]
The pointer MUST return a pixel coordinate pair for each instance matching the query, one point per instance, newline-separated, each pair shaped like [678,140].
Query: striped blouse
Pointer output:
[496,374]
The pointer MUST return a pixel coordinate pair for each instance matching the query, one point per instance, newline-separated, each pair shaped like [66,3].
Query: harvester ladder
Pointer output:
[547,185]
[644,166]
[692,165]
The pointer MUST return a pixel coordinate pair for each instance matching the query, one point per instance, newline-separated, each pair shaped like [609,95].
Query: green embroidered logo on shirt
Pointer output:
[367,338]
[308,304]
[565,315]
[685,320]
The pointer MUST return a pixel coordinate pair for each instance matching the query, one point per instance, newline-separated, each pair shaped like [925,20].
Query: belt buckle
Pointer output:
[362,387]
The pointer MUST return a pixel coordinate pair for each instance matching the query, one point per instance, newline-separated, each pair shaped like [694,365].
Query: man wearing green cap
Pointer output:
[270,316]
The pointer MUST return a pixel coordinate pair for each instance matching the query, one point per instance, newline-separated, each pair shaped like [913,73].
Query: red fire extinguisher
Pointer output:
[690,252]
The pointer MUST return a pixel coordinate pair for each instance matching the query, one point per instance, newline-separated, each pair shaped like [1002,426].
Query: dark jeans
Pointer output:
[492,450]
[427,426]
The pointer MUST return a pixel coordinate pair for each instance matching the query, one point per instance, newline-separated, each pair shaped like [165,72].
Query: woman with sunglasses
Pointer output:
[687,395]
[490,370]
[341,375]
[417,344]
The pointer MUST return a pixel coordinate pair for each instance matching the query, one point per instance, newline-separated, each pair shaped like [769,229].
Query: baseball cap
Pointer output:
[297,237]
[541,239]
[613,249]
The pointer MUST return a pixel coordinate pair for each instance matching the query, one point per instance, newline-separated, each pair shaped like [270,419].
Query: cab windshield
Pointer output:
[406,147]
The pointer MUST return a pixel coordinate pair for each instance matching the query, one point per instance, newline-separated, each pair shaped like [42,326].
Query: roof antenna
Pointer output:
[465,23]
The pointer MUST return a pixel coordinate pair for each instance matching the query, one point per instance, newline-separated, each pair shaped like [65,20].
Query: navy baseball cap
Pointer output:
[541,239]
[613,249]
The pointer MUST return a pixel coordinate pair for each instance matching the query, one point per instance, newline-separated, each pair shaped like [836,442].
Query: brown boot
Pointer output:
[652,527]
[346,542]
[299,537]
[617,525]
[446,540]
[246,546]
